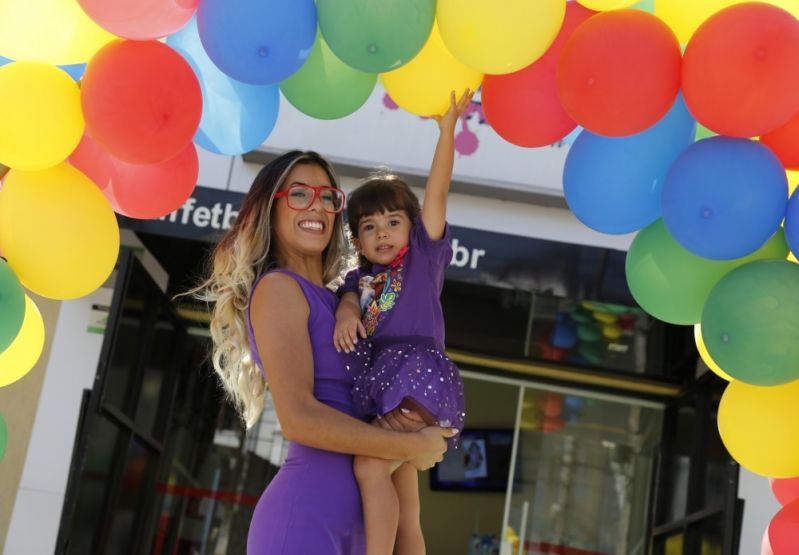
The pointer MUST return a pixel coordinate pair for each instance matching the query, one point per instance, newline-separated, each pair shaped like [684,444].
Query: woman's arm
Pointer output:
[280,321]
[434,209]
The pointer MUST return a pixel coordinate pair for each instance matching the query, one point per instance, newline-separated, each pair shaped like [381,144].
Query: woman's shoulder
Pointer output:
[278,291]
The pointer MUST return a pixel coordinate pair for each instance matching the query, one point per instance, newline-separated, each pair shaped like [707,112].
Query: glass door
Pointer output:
[581,475]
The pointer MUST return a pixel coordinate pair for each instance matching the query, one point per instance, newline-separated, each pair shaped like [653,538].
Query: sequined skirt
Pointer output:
[387,372]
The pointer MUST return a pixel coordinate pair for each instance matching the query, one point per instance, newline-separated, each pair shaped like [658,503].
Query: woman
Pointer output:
[273,319]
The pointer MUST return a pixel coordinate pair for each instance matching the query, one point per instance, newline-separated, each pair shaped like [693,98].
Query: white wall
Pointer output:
[760,506]
[71,368]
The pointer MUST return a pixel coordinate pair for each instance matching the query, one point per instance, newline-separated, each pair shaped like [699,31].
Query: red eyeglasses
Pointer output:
[300,196]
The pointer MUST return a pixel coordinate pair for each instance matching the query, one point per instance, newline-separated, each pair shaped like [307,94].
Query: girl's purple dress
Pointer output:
[403,356]
[313,504]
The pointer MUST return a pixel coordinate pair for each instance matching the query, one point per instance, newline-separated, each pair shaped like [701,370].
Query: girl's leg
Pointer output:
[410,540]
[380,503]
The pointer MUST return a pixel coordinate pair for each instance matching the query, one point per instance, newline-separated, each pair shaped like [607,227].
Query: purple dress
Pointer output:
[313,504]
[404,354]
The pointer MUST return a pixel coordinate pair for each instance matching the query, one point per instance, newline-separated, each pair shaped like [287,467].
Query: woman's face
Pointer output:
[303,232]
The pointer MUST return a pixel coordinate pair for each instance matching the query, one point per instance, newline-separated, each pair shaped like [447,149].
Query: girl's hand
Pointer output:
[456,109]
[348,328]
[401,420]
[432,446]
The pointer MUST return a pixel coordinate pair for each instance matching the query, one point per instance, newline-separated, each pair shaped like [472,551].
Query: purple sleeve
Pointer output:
[438,251]
[350,284]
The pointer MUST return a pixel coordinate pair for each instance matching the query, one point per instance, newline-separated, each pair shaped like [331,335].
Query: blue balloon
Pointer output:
[75,70]
[724,198]
[564,334]
[612,184]
[792,223]
[260,42]
[4,61]
[236,117]
[571,137]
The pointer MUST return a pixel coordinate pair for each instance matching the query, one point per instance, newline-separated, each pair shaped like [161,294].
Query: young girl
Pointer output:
[393,301]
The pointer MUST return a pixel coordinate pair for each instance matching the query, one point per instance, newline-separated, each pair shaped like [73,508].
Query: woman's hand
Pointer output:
[432,446]
[447,121]
[348,328]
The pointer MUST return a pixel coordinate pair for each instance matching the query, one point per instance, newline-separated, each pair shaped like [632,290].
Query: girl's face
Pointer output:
[303,232]
[382,236]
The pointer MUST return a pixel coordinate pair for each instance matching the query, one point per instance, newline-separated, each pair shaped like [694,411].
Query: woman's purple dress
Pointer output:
[313,505]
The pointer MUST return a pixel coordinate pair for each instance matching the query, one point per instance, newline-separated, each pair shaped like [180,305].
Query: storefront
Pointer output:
[590,427]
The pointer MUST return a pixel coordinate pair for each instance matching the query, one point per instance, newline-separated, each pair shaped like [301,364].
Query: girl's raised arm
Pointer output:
[434,209]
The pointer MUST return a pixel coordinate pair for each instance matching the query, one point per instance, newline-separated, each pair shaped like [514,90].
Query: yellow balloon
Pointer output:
[705,356]
[57,231]
[42,120]
[611,331]
[792,258]
[604,5]
[605,317]
[758,427]
[18,359]
[499,40]
[685,16]
[52,31]
[423,85]
[793,180]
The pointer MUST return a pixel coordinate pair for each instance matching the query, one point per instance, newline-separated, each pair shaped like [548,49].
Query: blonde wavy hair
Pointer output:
[244,253]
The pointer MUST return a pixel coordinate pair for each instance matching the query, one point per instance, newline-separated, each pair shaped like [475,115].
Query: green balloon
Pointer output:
[671,283]
[3,437]
[589,332]
[750,323]
[325,87]
[703,132]
[376,35]
[12,305]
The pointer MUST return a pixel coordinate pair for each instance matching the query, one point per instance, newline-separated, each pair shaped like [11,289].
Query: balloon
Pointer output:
[793,180]
[685,16]
[57,231]
[750,322]
[139,191]
[784,141]
[493,40]
[140,19]
[705,356]
[141,100]
[741,69]
[423,85]
[327,88]
[376,36]
[783,530]
[786,490]
[41,115]
[604,5]
[670,282]
[792,223]
[236,117]
[12,305]
[49,31]
[20,357]
[3,437]
[260,43]
[765,544]
[523,107]
[613,184]
[703,132]
[619,73]
[723,198]
[757,426]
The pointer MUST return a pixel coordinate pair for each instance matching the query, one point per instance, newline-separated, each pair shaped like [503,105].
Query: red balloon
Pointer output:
[786,490]
[741,70]
[141,100]
[140,19]
[619,72]
[139,190]
[523,107]
[783,532]
[784,141]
